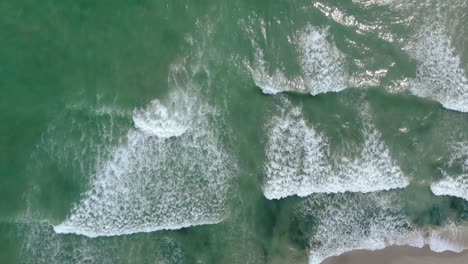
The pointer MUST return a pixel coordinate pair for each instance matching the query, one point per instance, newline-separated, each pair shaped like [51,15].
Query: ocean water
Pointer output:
[205,131]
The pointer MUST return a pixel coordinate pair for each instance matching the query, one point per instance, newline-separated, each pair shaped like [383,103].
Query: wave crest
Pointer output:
[162,121]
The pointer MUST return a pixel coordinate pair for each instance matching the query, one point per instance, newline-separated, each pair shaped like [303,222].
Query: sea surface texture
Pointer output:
[260,132]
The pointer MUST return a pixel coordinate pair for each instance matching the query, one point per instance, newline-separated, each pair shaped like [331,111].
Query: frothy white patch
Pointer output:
[346,222]
[161,121]
[452,185]
[440,74]
[298,161]
[151,183]
[322,67]
[293,149]
[455,185]
[368,3]
[322,63]
[404,130]
[447,238]
[459,156]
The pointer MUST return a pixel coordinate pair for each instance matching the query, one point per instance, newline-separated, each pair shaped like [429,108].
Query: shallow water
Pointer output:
[230,132]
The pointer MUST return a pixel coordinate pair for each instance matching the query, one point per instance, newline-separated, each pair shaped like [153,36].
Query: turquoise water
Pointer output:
[230,132]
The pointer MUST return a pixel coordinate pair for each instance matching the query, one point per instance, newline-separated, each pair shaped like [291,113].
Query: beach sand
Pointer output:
[399,255]
[440,239]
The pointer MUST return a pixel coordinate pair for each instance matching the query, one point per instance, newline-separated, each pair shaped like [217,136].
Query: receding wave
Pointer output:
[298,160]
[346,222]
[455,184]
[322,66]
[166,174]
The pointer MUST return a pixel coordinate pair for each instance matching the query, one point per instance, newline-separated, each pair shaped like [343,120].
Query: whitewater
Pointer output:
[169,172]
[298,160]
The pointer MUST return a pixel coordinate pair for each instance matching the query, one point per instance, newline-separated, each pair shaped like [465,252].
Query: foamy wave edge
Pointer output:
[441,76]
[454,185]
[272,195]
[315,170]
[69,229]
[163,121]
[433,238]
[322,66]
[451,187]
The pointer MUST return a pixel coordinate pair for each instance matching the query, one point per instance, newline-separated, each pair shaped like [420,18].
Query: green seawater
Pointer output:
[151,131]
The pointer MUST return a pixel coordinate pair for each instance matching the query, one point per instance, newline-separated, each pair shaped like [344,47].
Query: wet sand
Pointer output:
[399,255]
[454,238]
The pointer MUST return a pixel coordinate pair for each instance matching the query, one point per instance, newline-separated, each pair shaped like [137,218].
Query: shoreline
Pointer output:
[399,255]
[448,245]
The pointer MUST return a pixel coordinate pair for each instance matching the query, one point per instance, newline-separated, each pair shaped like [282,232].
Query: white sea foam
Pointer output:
[165,175]
[346,222]
[164,121]
[390,3]
[455,185]
[452,185]
[447,238]
[440,73]
[459,155]
[322,63]
[292,144]
[298,160]
[322,66]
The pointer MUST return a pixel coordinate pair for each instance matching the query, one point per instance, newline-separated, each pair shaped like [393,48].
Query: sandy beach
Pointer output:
[400,255]
[443,241]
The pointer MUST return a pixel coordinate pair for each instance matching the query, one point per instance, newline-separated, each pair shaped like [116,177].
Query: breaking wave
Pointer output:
[169,173]
[455,184]
[298,160]
[322,66]
[440,74]
[162,121]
